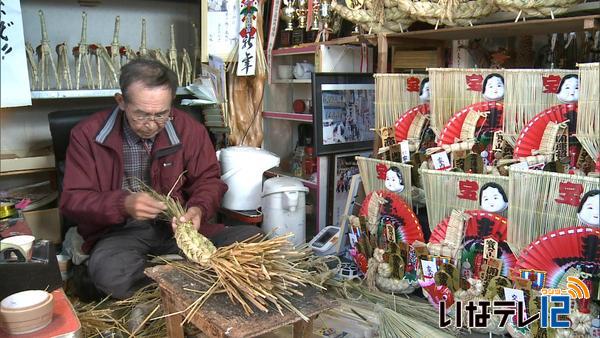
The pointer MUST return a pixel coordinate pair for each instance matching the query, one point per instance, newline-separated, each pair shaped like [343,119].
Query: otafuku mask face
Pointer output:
[590,211]
[494,89]
[569,91]
[492,200]
[426,94]
[393,183]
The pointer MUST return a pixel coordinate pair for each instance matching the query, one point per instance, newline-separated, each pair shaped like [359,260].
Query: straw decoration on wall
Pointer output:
[394,95]
[542,201]
[453,89]
[373,173]
[445,191]
[588,119]
[528,92]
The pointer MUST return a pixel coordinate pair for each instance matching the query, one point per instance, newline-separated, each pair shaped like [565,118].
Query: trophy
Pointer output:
[301,13]
[288,14]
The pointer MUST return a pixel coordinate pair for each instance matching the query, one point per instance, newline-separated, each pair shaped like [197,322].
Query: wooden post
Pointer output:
[174,328]
[382,51]
[303,329]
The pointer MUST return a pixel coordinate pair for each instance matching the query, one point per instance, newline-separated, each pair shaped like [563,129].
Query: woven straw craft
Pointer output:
[447,12]
[533,209]
[392,99]
[368,172]
[524,97]
[376,18]
[535,8]
[442,189]
[449,93]
[588,117]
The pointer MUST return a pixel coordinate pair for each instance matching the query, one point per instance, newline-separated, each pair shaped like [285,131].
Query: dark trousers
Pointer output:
[117,261]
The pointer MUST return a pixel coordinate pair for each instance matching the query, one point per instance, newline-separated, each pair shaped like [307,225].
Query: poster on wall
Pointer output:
[345,166]
[13,62]
[222,28]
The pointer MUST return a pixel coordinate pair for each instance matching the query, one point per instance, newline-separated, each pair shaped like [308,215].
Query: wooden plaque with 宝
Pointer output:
[490,248]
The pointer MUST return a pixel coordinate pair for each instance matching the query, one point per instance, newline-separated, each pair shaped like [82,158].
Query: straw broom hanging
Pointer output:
[533,208]
[442,190]
[450,92]
[393,97]
[525,97]
[255,272]
[588,116]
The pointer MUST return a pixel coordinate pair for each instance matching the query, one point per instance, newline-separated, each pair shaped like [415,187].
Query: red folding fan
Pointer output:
[405,123]
[557,251]
[454,128]
[409,229]
[481,224]
[530,137]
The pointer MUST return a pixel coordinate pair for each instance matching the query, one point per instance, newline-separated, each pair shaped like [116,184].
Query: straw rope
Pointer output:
[392,99]
[470,125]
[447,12]
[416,128]
[533,210]
[549,138]
[368,172]
[449,93]
[441,191]
[369,19]
[588,114]
[535,8]
[524,98]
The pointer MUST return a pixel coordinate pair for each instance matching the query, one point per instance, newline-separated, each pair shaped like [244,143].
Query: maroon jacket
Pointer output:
[92,195]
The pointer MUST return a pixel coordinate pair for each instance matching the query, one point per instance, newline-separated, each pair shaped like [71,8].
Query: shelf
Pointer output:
[278,172]
[288,116]
[529,27]
[301,49]
[26,165]
[291,81]
[84,93]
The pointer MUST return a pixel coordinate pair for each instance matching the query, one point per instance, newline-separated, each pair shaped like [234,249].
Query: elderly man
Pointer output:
[143,139]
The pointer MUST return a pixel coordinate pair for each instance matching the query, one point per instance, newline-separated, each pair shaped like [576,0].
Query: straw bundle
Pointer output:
[245,97]
[369,175]
[261,272]
[450,93]
[376,18]
[533,208]
[392,99]
[588,116]
[442,191]
[109,317]
[447,12]
[524,98]
[535,8]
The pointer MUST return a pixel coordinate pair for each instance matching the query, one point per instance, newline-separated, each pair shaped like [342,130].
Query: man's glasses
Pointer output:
[158,118]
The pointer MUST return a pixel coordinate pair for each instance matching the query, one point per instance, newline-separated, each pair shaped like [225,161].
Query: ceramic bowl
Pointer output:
[26,311]
[285,72]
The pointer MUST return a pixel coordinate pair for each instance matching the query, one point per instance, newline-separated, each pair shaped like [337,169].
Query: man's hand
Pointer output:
[142,206]
[193,214]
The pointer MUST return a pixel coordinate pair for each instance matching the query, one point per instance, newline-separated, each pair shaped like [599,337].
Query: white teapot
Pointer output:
[303,70]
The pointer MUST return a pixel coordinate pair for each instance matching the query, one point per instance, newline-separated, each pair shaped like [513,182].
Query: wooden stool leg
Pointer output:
[303,329]
[174,327]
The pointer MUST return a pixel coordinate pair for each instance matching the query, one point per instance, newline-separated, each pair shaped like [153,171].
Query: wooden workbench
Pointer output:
[219,317]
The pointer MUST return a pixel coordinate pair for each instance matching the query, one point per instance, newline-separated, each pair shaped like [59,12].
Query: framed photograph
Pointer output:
[345,168]
[344,112]
[220,28]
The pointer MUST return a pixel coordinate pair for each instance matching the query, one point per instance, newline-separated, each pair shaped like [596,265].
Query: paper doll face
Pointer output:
[492,200]
[426,94]
[569,91]
[494,89]
[590,211]
[393,183]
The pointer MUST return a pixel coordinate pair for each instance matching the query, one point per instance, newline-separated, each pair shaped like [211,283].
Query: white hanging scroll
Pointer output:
[247,37]
[14,89]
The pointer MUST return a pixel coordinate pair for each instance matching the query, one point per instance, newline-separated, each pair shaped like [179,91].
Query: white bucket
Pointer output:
[283,208]
[242,169]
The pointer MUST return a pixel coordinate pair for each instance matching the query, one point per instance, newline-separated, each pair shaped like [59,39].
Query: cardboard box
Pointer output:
[45,224]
